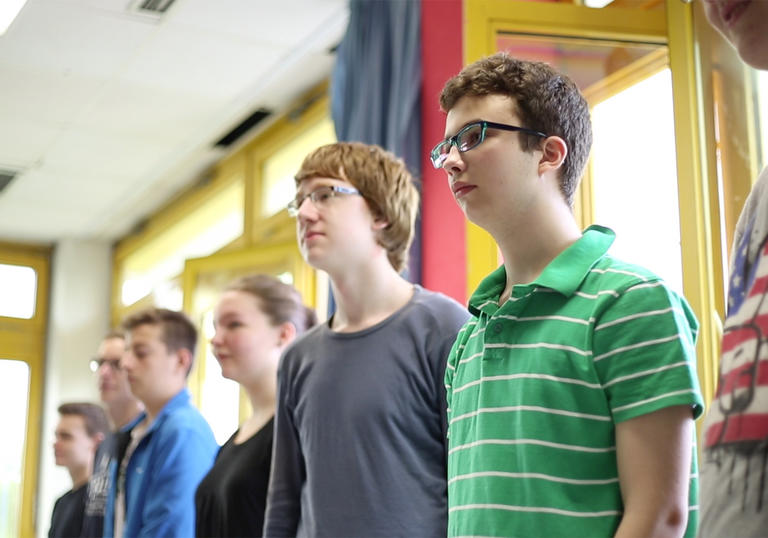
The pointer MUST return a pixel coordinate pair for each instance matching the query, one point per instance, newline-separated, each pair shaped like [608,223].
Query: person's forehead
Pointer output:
[494,107]
[111,347]
[71,423]
[233,302]
[146,333]
[312,183]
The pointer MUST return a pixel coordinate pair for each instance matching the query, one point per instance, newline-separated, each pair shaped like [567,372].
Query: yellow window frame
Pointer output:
[244,164]
[673,27]
[24,339]
[264,239]
[273,259]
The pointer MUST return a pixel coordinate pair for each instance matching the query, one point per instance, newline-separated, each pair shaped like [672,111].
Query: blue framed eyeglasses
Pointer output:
[320,197]
[471,136]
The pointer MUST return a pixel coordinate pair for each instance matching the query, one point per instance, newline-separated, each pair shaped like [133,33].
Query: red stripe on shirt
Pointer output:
[734,338]
[741,377]
[740,428]
[759,286]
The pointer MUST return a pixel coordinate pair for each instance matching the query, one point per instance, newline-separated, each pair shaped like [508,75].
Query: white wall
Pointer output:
[79,317]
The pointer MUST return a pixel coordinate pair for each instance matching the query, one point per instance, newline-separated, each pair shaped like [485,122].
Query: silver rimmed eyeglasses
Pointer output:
[320,197]
[96,363]
[471,136]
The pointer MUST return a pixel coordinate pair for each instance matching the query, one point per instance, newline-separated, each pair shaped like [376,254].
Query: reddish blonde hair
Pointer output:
[382,179]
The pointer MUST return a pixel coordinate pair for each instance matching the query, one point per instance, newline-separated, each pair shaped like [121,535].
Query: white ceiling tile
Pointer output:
[43,96]
[98,153]
[199,64]
[109,114]
[25,142]
[286,23]
[69,39]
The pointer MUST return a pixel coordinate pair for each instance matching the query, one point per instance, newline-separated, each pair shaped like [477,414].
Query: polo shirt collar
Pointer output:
[567,271]
[564,274]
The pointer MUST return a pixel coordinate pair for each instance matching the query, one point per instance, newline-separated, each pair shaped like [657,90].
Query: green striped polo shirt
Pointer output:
[536,386]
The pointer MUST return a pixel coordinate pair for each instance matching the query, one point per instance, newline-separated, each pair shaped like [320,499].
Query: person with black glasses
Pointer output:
[122,408]
[573,390]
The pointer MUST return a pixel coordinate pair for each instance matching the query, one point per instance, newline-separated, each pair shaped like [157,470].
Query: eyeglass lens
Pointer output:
[319,197]
[466,139]
[114,364]
[469,137]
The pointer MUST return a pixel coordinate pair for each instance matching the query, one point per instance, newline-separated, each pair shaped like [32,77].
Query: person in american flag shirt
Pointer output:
[734,472]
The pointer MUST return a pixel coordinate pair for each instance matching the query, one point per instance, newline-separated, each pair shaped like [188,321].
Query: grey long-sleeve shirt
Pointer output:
[360,446]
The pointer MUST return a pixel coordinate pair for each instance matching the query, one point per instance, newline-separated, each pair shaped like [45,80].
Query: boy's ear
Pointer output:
[184,357]
[287,332]
[379,223]
[553,153]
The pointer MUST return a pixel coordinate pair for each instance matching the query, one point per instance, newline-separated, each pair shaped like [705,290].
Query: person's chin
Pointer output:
[323,260]
[754,54]
[136,391]
[227,373]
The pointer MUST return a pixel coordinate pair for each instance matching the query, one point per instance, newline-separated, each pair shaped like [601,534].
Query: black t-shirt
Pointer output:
[67,518]
[98,488]
[231,499]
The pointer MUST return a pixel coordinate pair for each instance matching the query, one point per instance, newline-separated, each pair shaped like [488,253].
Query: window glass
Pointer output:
[220,397]
[632,4]
[152,268]
[221,401]
[18,291]
[585,62]
[761,95]
[14,396]
[634,176]
[281,167]
[599,4]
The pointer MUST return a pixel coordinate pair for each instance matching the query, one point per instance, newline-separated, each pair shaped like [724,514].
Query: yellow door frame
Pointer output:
[284,256]
[673,26]
[245,166]
[24,339]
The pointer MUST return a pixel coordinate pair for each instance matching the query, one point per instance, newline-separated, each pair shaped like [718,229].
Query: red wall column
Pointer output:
[444,266]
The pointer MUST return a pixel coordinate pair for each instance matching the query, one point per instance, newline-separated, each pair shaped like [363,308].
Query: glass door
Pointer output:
[14,395]
[647,177]
[23,315]
[220,400]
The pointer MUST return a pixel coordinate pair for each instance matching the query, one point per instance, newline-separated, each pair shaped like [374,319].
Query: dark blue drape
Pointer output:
[376,85]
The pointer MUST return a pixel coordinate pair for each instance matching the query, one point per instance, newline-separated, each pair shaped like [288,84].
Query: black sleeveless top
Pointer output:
[231,499]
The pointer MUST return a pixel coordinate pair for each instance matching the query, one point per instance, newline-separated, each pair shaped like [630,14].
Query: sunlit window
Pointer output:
[18,291]
[282,166]
[610,4]
[204,231]
[220,401]
[762,111]
[14,394]
[635,178]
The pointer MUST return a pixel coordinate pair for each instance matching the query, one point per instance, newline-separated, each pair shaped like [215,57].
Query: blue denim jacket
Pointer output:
[163,473]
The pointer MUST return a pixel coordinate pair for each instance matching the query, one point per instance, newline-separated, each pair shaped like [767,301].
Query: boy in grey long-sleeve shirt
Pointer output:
[359,444]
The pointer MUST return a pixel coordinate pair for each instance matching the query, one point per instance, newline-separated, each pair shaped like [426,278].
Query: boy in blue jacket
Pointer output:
[167,450]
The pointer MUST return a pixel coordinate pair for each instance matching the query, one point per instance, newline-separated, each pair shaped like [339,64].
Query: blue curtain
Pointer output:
[376,85]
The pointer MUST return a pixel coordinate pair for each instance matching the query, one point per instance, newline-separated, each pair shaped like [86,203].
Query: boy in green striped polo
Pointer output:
[573,390]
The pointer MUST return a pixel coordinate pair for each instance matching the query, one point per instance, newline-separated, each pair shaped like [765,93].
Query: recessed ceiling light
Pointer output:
[9,9]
